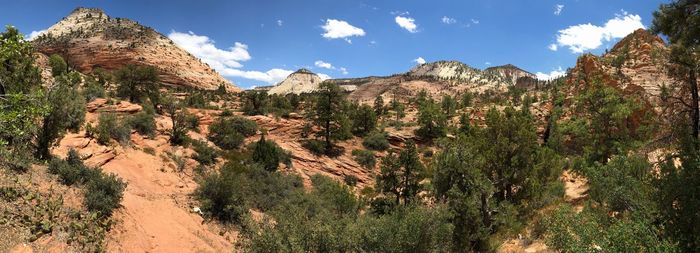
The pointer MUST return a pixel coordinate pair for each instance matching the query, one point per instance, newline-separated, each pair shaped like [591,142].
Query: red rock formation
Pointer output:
[90,39]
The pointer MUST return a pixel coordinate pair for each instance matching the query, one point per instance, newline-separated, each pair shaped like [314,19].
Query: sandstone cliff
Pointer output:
[89,39]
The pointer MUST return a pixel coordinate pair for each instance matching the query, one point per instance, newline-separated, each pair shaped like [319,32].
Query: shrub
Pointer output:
[226,113]
[364,158]
[192,122]
[220,196]
[109,127]
[71,170]
[229,133]
[143,123]
[317,147]
[103,193]
[205,155]
[269,155]
[376,141]
[350,180]
[93,89]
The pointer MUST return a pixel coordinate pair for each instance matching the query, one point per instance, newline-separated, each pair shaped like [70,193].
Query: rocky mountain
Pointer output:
[301,81]
[89,39]
[515,75]
[457,71]
[638,63]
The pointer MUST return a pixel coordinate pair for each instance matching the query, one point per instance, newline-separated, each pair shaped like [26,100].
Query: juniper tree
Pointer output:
[137,82]
[66,111]
[328,115]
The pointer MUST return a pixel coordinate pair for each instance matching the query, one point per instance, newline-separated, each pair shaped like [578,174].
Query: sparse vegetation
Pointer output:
[111,127]
[230,132]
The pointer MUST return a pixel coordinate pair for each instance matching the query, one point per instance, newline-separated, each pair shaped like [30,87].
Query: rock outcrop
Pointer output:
[89,39]
[301,81]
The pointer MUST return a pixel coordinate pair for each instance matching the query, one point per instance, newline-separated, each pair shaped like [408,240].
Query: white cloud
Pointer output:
[339,29]
[475,21]
[487,63]
[322,64]
[279,22]
[226,62]
[204,48]
[272,76]
[448,20]
[34,34]
[419,60]
[323,76]
[343,70]
[583,37]
[407,23]
[558,8]
[551,75]
[553,47]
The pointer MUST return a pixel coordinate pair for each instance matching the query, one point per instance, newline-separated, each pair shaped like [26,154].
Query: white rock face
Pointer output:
[301,81]
[459,72]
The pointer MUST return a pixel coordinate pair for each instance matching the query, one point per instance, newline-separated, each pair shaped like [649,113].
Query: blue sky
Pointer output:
[257,43]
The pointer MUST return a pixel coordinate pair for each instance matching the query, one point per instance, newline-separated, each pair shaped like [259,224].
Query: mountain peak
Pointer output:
[88,38]
[303,71]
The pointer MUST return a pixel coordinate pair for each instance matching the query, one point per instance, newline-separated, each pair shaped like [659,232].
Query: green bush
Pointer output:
[143,123]
[350,180]
[376,141]
[205,154]
[220,196]
[268,154]
[93,89]
[103,193]
[364,158]
[192,122]
[110,127]
[71,170]
[229,133]
[317,147]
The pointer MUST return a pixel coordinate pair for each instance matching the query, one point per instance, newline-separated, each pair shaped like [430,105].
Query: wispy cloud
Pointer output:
[448,20]
[558,8]
[322,64]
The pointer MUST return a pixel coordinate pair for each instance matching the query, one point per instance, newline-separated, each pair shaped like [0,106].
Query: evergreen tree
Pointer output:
[364,120]
[679,21]
[172,107]
[21,99]
[269,155]
[379,106]
[327,114]
[401,175]
[66,111]
[449,105]
[399,112]
[466,100]
[137,82]
[607,122]
[58,65]
[432,122]
[464,124]
[255,102]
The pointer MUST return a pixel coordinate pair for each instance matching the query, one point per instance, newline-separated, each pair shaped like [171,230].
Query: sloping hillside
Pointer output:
[89,39]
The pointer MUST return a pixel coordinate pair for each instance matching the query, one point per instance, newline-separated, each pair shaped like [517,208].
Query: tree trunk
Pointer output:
[695,110]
